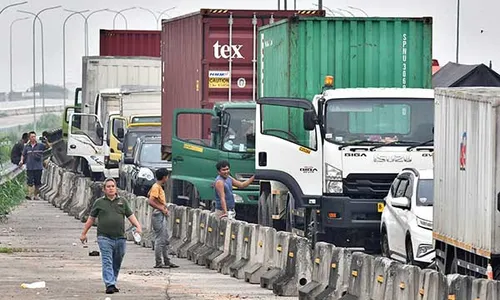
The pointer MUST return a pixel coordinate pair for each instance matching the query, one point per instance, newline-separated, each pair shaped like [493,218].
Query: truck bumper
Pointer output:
[246,197]
[344,212]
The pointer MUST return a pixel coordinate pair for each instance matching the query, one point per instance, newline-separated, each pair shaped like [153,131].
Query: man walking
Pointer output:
[17,150]
[33,158]
[111,211]
[158,201]
[224,197]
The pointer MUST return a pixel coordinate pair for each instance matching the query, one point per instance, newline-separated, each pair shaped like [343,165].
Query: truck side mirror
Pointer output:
[214,125]
[121,133]
[100,132]
[309,119]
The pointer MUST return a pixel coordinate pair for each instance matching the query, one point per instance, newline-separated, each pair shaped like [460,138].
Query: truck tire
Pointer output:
[263,210]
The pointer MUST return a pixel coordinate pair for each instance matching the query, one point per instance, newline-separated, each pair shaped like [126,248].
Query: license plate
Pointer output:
[380,207]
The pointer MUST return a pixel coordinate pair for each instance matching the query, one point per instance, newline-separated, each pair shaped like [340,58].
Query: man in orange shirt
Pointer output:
[157,200]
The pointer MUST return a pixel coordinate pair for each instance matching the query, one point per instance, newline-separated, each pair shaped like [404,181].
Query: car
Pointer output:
[406,221]
[145,161]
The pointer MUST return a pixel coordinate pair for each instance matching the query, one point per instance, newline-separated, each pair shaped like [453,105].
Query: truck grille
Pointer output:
[245,176]
[367,186]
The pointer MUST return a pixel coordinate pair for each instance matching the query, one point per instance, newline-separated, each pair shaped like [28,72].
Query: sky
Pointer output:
[479,33]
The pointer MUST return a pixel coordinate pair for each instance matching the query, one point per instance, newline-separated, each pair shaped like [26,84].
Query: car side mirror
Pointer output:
[214,124]
[310,119]
[401,202]
[120,146]
[121,133]
[129,160]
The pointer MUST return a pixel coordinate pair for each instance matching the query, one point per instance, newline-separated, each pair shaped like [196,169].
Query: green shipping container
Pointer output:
[296,54]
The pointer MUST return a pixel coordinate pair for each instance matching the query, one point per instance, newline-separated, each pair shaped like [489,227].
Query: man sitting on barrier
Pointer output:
[111,211]
[158,201]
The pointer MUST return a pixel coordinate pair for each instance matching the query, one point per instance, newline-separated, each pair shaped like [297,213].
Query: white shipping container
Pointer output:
[103,72]
[466,173]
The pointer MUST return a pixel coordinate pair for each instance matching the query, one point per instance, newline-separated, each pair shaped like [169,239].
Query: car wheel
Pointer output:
[384,244]
[409,252]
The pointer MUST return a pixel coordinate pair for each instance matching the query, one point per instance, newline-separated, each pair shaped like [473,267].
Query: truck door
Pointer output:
[85,137]
[193,154]
[285,151]
[116,122]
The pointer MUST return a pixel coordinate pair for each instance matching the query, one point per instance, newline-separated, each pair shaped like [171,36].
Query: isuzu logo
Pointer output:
[223,51]
[392,158]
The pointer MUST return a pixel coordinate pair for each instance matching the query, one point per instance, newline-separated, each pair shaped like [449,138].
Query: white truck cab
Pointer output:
[406,224]
[335,157]
[113,107]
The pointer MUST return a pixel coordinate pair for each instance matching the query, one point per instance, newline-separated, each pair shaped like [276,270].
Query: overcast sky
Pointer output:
[476,15]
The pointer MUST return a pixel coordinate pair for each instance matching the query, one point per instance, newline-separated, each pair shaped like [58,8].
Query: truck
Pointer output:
[466,216]
[209,67]
[344,105]
[118,42]
[113,108]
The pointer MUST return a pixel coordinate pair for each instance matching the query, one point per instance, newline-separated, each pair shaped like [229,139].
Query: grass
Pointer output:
[7,250]
[12,194]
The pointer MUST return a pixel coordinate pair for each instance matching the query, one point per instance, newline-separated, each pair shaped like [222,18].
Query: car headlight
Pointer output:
[333,180]
[424,249]
[146,174]
[424,223]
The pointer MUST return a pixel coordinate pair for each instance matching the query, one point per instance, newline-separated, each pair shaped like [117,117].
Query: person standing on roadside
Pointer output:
[159,217]
[111,211]
[17,151]
[224,197]
[33,158]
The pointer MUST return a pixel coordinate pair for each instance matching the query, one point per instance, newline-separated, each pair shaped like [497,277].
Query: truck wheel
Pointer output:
[263,211]
[384,244]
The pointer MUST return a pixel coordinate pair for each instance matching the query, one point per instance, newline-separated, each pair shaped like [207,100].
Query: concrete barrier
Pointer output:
[383,280]
[201,227]
[224,241]
[261,255]
[459,286]
[223,233]
[192,235]
[210,246]
[361,276]
[405,283]
[81,198]
[432,285]
[250,234]
[47,179]
[339,274]
[65,188]
[483,289]
[298,268]
[281,241]
[236,245]
[56,185]
[320,272]
[179,230]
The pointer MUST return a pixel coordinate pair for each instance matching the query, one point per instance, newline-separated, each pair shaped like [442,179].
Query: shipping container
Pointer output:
[130,43]
[466,172]
[103,72]
[210,57]
[296,54]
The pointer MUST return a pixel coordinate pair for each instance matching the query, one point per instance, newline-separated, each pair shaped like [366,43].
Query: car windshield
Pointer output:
[425,192]
[240,133]
[151,153]
[398,121]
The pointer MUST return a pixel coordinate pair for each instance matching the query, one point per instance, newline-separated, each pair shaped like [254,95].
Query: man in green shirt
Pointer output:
[111,211]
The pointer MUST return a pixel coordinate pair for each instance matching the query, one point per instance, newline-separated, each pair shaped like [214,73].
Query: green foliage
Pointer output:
[12,193]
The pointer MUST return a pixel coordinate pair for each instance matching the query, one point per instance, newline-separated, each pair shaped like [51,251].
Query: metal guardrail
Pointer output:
[10,173]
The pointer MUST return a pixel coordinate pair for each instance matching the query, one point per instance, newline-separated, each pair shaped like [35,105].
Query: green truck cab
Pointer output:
[228,134]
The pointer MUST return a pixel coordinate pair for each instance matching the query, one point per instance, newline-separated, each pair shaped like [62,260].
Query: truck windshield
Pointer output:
[239,136]
[397,121]
[146,119]
[151,153]
[425,192]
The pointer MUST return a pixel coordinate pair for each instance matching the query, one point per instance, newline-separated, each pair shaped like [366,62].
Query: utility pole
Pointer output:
[320,4]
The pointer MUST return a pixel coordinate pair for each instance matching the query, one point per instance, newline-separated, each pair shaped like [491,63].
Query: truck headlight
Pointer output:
[333,180]
[424,223]
[146,174]
[238,198]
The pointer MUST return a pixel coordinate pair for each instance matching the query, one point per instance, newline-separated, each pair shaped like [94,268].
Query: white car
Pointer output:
[406,222]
